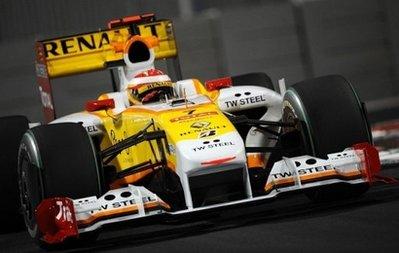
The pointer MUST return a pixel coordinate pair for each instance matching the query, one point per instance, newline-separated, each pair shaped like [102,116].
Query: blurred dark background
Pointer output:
[295,40]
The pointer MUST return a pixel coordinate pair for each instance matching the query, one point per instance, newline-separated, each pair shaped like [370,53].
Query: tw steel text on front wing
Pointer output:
[62,218]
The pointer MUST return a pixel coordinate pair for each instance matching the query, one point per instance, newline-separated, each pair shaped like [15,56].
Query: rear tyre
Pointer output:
[332,119]
[11,131]
[257,79]
[56,160]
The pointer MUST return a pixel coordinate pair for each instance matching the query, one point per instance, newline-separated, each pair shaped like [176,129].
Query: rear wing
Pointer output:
[93,51]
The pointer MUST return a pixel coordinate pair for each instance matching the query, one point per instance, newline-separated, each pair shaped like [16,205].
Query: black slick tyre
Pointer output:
[257,78]
[12,129]
[332,118]
[57,160]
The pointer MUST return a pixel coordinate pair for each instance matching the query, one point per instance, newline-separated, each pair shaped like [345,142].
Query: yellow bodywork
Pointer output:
[179,124]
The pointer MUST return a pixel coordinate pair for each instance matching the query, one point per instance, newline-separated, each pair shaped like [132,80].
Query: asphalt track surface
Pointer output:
[289,224]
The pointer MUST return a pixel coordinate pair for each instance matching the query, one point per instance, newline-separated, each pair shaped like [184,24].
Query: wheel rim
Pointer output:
[30,193]
[25,198]
[293,112]
[29,180]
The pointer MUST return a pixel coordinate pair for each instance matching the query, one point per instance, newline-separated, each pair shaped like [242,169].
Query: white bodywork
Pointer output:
[133,197]
[192,156]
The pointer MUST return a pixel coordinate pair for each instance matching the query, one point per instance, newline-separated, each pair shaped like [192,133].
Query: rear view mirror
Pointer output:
[96,105]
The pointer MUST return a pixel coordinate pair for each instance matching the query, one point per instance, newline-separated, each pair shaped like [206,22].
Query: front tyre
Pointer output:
[57,160]
[332,118]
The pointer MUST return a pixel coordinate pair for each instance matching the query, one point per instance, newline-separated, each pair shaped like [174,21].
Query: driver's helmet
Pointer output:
[150,86]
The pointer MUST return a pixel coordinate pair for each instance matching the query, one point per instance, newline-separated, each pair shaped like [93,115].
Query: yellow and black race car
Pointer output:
[160,145]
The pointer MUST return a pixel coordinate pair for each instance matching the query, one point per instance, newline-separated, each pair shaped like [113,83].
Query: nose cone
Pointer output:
[196,154]
[212,169]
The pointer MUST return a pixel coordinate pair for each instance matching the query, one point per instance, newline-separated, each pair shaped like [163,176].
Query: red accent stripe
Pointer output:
[148,17]
[218,161]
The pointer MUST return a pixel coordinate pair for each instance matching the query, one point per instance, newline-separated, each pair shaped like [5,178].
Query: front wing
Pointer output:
[61,218]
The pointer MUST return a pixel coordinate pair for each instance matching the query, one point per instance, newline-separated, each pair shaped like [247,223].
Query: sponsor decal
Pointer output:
[91,129]
[78,44]
[200,124]
[46,99]
[200,130]
[149,86]
[64,212]
[207,134]
[118,204]
[213,145]
[301,172]
[101,40]
[90,42]
[245,101]
[193,116]
[154,28]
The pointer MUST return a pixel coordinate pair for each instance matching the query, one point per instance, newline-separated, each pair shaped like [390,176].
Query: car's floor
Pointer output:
[293,223]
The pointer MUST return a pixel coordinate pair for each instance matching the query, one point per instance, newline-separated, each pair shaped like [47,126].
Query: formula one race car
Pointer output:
[156,147]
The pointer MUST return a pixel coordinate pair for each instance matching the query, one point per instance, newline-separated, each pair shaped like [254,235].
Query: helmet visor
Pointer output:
[152,92]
